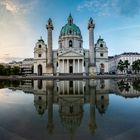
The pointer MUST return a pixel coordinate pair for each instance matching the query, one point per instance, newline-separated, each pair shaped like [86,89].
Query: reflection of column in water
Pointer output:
[92,122]
[49,89]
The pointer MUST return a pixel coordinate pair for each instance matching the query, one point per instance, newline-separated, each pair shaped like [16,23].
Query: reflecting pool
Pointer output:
[70,110]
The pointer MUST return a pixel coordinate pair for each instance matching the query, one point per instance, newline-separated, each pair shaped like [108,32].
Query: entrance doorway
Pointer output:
[39,69]
[102,68]
[71,69]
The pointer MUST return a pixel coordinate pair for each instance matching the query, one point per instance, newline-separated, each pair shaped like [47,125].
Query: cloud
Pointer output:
[15,29]
[18,7]
[111,7]
[10,6]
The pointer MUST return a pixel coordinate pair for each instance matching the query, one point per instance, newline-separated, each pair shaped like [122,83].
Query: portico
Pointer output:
[75,65]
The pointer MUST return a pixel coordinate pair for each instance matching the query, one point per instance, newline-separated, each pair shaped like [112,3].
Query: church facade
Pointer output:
[70,57]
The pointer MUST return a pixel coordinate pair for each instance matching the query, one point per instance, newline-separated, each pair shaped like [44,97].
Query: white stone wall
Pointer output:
[98,54]
[113,63]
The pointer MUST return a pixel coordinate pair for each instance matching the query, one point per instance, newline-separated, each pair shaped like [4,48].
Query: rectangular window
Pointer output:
[101,54]
[39,55]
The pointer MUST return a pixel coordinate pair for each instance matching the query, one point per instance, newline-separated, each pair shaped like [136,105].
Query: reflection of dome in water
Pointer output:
[40,106]
[102,103]
[71,114]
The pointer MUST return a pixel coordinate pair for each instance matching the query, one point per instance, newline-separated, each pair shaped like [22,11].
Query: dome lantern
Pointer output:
[70,19]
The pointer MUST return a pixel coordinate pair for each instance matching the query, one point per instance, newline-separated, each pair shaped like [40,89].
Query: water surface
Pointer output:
[70,110]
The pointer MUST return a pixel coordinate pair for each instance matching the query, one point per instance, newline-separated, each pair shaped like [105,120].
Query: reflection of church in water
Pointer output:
[71,96]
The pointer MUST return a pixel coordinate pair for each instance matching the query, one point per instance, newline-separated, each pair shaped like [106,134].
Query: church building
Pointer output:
[70,57]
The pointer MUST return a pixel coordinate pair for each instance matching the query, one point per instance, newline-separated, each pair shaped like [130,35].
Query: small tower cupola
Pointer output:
[100,41]
[70,19]
[41,40]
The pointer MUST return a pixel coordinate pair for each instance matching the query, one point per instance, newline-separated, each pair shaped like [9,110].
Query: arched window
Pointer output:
[40,98]
[101,45]
[39,55]
[39,46]
[80,45]
[102,68]
[102,97]
[70,31]
[70,43]
[102,65]
[40,85]
[101,54]
[39,69]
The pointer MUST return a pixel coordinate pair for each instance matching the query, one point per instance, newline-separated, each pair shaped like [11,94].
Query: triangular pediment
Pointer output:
[70,54]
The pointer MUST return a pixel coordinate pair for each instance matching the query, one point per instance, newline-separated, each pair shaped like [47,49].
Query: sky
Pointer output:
[22,22]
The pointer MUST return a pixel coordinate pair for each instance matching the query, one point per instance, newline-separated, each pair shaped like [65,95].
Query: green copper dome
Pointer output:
[70,28]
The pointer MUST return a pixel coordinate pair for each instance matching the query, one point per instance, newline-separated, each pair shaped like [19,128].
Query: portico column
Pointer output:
[63,66]
[83,67]
[63,87]
[78,65]
[74,87]
[78,88]
[73,65]
[67,65]
[58,67]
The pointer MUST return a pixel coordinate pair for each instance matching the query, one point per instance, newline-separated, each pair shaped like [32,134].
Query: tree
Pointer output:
[126,64]
[136,84]
[136,66]
[123,85]
[2,70]
[120,65]
[7,70]
[15,70]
